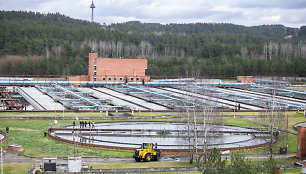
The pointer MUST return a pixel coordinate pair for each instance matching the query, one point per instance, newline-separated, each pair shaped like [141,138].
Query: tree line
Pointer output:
[221,67]
[66,42]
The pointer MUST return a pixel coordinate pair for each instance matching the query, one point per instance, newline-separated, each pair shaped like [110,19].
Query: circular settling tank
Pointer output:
[2,137]
[169,136]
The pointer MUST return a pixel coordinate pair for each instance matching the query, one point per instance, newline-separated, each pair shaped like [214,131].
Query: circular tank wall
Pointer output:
[169,136]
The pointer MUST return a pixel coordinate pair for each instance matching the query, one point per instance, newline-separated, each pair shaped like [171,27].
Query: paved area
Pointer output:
[15,157]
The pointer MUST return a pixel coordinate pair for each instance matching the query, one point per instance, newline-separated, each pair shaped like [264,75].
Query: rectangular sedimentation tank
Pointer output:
[213,99]
[114,99]
[39,100]
[132,99]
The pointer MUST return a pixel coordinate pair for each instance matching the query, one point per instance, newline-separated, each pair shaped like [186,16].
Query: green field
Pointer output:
[131,165]
[60,115]
[29,134]
[17,168]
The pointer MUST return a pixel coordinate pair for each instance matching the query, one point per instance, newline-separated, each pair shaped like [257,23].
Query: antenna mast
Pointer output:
[92,6]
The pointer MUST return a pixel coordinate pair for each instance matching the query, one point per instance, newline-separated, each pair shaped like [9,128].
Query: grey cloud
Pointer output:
[287,12]
[283,4]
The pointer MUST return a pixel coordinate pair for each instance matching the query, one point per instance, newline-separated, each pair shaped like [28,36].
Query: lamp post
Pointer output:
[73,134]
[1,159]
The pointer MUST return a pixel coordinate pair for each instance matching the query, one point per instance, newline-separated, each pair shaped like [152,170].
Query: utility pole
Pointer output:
[1,159]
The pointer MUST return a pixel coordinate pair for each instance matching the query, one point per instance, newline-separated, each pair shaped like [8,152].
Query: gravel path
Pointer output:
[15,157]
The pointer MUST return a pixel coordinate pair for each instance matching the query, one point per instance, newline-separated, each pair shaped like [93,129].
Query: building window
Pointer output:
[95,73]
[137,79]
[95,79]
[104,78]
[95,68]
[115,78]
[109,78]
[120,78]
[95,61]
[132,78]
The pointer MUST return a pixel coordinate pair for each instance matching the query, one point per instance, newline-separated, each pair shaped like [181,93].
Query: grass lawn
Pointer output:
[131,165]
[241,113]
[292,120]
[292,139]
[60,114]
[238,122]
[29,134]
[97,114]
[17,168]
[297,87]
[194,172]
[292,171]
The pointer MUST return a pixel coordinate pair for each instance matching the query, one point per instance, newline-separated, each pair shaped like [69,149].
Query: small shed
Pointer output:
[75,164]
[50,164]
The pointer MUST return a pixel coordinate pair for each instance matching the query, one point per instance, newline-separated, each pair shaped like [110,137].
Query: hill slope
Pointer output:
[210,28]
[173,49]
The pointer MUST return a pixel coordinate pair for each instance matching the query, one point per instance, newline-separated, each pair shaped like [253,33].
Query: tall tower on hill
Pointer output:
[92,6]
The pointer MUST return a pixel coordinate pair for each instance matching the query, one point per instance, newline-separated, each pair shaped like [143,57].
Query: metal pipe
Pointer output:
[76,95]
[23,83]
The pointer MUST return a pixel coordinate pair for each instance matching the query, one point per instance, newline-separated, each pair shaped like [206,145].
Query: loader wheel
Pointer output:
[155,158]
[147,157]
[137,159]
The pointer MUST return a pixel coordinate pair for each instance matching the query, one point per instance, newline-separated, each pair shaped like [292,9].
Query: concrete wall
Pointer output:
[77,78]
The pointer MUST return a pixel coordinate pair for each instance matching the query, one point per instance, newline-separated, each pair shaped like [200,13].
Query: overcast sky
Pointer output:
[290,13]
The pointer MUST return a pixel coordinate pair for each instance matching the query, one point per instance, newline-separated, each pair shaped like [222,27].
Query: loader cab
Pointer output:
[147,146]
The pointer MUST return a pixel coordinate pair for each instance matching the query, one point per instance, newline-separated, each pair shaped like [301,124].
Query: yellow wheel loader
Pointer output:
[147,153]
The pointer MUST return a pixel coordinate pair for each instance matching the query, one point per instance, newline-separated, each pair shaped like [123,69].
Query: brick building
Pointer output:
[114,70]
[245,79]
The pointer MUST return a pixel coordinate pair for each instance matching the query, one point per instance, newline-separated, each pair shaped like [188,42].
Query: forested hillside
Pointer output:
[36,43]
[209,28]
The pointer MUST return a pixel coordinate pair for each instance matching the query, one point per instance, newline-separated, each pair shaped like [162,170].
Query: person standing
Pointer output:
[45,135]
